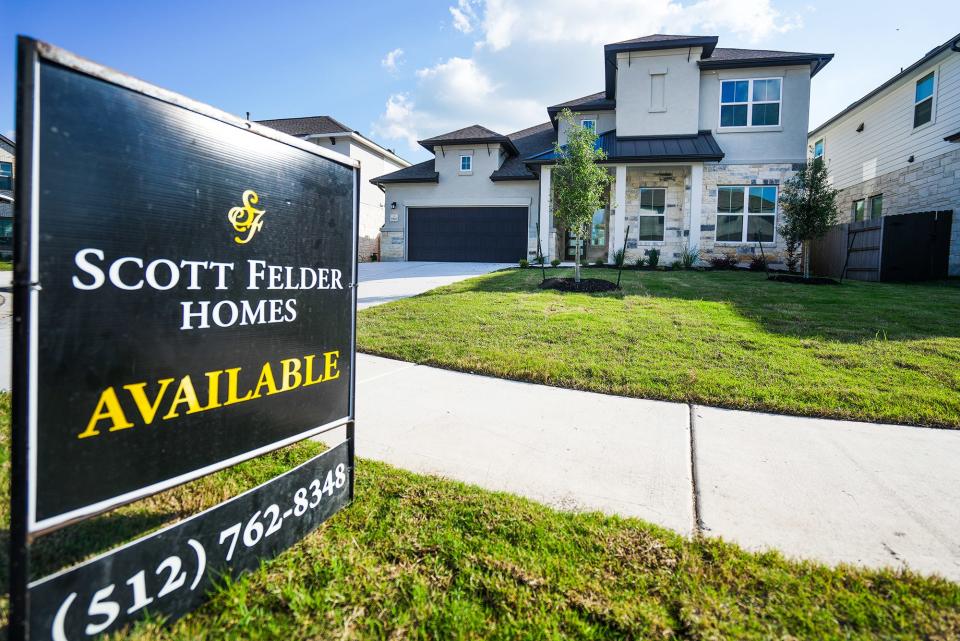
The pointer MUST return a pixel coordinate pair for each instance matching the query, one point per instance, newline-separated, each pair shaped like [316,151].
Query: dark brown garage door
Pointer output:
[467,234]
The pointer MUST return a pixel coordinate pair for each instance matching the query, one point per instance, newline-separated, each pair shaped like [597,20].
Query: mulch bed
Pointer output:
[588,285]
[800,280]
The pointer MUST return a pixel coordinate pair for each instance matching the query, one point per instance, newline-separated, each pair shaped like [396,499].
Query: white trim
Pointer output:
[460,170]
[364,141]
[619,208]
[663,215]
[746,213]
[932,98]
[696,204]
[546,175]
[593,120]
[34,269]
[749,103]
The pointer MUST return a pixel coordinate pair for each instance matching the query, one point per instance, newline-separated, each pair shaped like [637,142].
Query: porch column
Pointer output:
[619,211]
[545,199]
[696,203]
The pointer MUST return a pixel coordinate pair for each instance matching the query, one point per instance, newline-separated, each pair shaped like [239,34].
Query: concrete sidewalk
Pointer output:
[834,491]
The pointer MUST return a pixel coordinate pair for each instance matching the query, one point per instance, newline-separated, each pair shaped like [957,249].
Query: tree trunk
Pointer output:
[806,259]
[576,260]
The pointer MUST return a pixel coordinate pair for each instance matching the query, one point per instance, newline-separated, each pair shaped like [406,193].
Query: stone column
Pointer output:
[619,210]
[696,203]
[545,199]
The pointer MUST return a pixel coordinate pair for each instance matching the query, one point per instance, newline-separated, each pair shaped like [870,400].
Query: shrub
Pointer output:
[676,265]
[793,255]
[555,262]
[758,264]
[599,262]
[524,263]
[619,257]
[724,261]
[689,256]
[653,257]
[640,262]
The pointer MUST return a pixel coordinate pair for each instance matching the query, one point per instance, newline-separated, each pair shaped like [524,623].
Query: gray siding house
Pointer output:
[897,149]
[698,140]
[8,150]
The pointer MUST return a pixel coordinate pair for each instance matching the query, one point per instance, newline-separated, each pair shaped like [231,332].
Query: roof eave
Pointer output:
[506,142]
[498,179]
[389,181]
[816,62]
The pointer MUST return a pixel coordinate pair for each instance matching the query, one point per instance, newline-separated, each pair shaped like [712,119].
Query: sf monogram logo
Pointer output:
[246,219]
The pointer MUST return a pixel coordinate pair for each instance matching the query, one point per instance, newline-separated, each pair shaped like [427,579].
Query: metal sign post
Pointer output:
[185,287]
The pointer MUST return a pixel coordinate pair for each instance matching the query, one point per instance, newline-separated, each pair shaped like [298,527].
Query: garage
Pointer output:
[467,234]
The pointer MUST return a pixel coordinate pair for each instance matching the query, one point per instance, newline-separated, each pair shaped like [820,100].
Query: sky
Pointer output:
[398,71]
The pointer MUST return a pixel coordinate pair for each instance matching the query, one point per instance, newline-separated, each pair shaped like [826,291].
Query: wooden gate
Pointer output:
[854,246]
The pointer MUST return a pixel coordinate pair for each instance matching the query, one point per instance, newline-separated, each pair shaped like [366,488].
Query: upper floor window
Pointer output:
[923,100]
[876,207]
[6,175]
[858,209]
[589,123]
[818,149]
[466,164]
[750,103]
[652,208]
[746,214]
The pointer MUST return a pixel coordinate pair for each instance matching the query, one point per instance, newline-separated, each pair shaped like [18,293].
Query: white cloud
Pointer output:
[464,15]
[529,54]
[392,60]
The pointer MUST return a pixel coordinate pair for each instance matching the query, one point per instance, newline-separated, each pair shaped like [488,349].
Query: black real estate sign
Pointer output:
[184,282]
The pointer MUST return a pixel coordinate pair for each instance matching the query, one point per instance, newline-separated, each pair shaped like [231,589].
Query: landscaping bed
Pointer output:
[866,351]
[796,279]
[586,285]
[424,558]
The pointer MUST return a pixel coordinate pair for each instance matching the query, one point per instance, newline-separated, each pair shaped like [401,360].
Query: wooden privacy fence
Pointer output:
[904,247]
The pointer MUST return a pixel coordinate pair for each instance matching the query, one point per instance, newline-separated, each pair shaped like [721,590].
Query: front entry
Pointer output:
[596,244]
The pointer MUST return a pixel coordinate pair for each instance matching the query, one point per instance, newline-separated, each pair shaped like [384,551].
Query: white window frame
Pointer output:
[823,147]
[853,210]
[460,169]
[585,120]
[747,213]
[932,99]
[641,214]
[749,103]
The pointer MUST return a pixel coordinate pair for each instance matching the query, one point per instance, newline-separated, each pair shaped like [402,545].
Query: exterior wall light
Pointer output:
[393,205]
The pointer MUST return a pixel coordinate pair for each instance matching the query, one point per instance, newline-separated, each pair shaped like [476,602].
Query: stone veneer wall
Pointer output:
[676,213]
[931,185]
[391,245]
[719,174]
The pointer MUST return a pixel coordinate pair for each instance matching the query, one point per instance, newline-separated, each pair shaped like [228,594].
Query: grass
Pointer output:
[425,558]
[865,351]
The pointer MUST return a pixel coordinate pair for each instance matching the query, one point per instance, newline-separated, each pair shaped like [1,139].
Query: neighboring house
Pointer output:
[897,149]
[8,150]
[374,161]
[698,139]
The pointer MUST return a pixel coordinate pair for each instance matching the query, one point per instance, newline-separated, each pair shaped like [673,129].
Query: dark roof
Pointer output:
[306,126]
[740,58]
[649,43]
[593,102]
[529,141]
[474,134]
[933,53]
[691,148]
[422,172]
[7,141]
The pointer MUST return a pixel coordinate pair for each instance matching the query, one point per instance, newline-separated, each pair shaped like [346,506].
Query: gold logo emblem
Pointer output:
[246,219]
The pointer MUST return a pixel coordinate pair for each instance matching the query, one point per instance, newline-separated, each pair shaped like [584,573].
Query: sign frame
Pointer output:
[26,290]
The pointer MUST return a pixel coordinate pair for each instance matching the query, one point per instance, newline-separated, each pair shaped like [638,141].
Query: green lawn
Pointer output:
[424,558]
[869,351]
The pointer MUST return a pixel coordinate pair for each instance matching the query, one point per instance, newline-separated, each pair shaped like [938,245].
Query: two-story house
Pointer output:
[375,160]
[698,139]
[897,149]
[8,151]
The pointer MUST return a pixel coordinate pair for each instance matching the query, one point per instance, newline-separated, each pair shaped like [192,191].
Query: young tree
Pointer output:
[809,206]
[579,183]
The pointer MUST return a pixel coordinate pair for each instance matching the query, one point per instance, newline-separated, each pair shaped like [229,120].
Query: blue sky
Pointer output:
[499,63]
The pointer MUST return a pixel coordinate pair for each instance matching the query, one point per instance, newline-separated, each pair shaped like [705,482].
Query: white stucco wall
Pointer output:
[606,121]
[785,143]
[635,114]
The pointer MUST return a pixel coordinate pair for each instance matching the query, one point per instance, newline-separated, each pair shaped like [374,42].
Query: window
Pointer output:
[923,101]
[818,149]
[876,207]
[750,103]
[466,164]
[6,231]
[6,175]
[652,206]
[858,210]
[746,214]
[658,89]
[589,123]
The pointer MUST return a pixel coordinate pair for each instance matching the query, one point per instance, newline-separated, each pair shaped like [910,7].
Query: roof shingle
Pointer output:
[306,126]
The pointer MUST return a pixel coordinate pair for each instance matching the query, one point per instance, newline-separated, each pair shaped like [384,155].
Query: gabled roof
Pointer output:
[594,102]
[7,141]
[472,135]
[422,172]
[306,126]
[701,146]
[952,43]
[649,43]
[723,58]
[529,141]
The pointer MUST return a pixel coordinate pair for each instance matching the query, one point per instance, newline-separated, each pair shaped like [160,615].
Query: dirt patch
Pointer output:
[587,285]
[800,280]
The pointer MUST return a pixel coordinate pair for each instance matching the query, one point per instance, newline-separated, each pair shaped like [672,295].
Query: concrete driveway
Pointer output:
[384,282]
